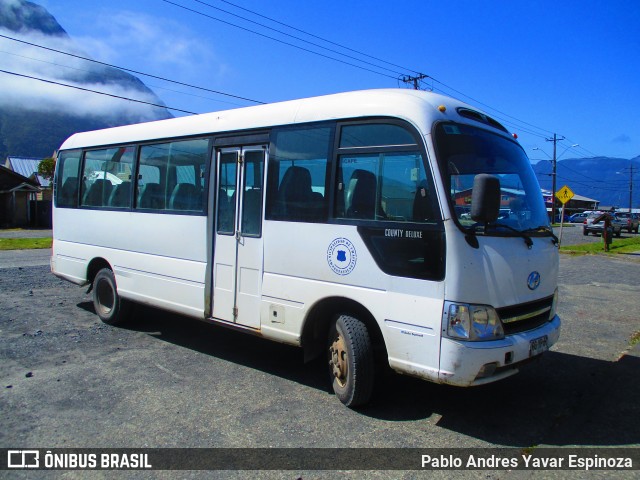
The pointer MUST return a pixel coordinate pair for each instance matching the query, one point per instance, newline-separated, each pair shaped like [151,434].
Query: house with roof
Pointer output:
[28,167]
[578,203]
[25,196]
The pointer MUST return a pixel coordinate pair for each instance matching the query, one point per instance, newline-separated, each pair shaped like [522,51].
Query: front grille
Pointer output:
[526,316]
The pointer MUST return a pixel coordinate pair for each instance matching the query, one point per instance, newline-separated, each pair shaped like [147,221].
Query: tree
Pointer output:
[47,167]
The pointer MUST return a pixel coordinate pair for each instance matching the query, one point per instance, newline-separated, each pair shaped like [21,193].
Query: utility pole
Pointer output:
[630,190]
[555,140]
[414,80]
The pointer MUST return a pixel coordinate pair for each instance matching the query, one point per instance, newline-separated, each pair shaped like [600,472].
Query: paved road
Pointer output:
[170,381]
[572,235]
[25,233]
[67,380]
[24,258]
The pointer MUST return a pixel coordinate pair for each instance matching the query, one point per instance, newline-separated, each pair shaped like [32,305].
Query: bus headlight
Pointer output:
[472,322]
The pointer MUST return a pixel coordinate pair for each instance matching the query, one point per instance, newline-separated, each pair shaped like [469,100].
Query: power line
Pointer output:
[421,76]
[582,174]
[295,37]
[197,12]
[584,149]
[495,110]
[131,70]
[316,36]
[96,91]
[148,84]
[415,80]
[587,185]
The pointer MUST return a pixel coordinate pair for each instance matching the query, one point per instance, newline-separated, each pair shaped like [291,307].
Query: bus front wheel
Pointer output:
[111,309]
[351,361]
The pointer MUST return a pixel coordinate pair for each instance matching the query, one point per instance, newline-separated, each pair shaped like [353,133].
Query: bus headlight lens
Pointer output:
[473,322]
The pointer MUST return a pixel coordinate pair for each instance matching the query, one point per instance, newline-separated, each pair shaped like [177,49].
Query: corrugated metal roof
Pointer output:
[26,167]
[584,199]
[10,180]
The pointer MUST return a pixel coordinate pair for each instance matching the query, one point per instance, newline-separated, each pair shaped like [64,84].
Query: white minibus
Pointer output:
[382,227]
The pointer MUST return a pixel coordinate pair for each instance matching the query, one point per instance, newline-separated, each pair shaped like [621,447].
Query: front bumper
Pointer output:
[475,363]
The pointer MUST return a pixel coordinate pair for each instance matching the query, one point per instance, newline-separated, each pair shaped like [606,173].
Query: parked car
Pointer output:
[578,217]
[631,220]
[596,228]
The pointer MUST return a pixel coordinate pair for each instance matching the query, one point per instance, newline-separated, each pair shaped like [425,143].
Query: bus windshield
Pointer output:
[465,151]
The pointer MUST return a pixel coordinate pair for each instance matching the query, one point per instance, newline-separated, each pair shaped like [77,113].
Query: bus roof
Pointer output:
[412,105]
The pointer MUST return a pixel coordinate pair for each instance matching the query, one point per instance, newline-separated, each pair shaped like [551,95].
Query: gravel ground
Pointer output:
[67,380]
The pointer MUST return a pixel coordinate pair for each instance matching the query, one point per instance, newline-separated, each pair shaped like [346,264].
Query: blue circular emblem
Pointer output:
[341,256]
[533,281]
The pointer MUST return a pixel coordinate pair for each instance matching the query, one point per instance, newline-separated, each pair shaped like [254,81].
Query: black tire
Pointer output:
[351,361]
[618,233]
[109,306]
[585,232]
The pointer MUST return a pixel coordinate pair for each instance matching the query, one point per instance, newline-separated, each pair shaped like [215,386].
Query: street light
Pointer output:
[565,150]
[541,150]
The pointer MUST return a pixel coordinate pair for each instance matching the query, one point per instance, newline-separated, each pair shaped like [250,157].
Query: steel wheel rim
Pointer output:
[106,296]
[339,360]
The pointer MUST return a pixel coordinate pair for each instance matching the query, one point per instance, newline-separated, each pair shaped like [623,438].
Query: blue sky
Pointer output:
[569,67]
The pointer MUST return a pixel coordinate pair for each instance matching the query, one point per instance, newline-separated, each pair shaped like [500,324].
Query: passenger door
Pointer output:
[238,246]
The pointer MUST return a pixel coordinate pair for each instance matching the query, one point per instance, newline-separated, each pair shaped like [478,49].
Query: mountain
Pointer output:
[605,179]
[35,116]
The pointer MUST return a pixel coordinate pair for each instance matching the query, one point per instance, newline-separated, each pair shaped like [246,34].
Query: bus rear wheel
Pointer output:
[109,306]
[351,361]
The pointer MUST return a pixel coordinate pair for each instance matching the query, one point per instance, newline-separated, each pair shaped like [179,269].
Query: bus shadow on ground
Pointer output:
[562,399]
[285,361]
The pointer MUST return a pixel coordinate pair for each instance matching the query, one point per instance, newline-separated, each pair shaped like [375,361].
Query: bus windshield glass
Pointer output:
[465,151]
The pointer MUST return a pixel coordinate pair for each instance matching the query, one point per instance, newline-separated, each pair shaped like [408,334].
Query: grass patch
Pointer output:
[635,339]
[619,245]
[24,243]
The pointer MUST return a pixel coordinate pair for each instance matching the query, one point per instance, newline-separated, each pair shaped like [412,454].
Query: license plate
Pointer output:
[538,345]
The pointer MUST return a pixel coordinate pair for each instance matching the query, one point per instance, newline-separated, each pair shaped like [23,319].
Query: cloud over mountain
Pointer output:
[29,100]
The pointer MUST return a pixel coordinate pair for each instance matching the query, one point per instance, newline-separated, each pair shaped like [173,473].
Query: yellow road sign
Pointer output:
[564,194]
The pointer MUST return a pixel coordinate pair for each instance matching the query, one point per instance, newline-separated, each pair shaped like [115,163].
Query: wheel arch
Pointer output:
[95,265]
[320,317]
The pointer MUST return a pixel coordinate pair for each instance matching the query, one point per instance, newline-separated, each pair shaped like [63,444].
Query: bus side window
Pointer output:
[297,175]
[389,186]
[171,176]
[185,196]
[67,184]
[227,177]
[252,193]
[104,173]
[362,196]
[382,175]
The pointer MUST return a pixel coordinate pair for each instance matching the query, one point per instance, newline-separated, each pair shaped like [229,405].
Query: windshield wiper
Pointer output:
[546,229]
[523,234]
[473,229]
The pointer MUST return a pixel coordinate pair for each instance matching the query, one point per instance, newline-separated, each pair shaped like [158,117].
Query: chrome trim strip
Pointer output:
[526,316]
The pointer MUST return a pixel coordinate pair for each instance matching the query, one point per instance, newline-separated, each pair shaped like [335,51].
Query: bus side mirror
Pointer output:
[485,198]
